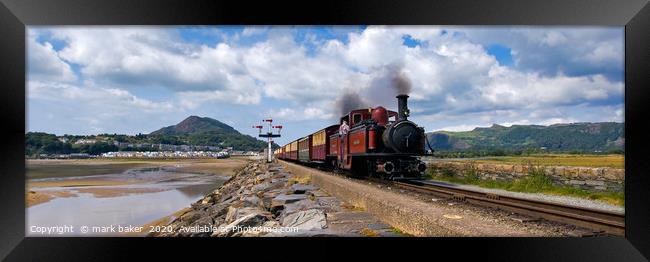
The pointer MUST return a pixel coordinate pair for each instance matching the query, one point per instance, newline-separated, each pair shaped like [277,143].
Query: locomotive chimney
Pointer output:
[402,107]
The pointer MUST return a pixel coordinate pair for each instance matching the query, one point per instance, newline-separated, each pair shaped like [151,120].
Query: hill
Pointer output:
[581,137]
[196,130]
[202,132]
[195,125]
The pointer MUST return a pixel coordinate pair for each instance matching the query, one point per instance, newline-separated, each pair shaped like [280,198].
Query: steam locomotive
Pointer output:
[380,143]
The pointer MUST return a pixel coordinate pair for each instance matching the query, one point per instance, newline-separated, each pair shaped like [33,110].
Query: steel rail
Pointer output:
[599,220]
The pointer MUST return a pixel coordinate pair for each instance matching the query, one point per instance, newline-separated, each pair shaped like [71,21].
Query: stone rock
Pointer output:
[329,204]
[613,174]
[199,205]
[240,191]
[217,210]
[236,213]
[192,216]
[261,187]
[301,188]
[319,193]
[233,229]
[284,199]
[207,200]
[226,198]
[252,201]
[267,198]
[312,219]
[595,183]
[281,180]
[228,201]
[263,177]
[294,207]
[576,182]
[204,221]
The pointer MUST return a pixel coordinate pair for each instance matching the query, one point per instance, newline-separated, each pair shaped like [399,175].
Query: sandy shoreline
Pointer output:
[38,191]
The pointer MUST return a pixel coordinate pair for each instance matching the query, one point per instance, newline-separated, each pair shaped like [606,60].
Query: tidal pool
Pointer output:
[158,193]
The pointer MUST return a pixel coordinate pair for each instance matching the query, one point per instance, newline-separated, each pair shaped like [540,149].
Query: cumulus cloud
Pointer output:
[44,63]
[548,50]
[292,115]
[455,81]
[73,109]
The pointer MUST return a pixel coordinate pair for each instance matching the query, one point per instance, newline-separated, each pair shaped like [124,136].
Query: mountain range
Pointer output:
[584,137]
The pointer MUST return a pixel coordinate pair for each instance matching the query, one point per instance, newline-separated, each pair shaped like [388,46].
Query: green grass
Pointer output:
[398,231]
[536,182]
[613,161]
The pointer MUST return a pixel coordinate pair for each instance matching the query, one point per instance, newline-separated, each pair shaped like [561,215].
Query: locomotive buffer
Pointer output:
[269,136]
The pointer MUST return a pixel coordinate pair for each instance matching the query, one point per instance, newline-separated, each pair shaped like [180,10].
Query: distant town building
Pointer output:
[85,141]
[166,154]
[79,156]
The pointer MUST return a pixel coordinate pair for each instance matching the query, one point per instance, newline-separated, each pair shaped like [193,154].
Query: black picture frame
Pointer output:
[15,15]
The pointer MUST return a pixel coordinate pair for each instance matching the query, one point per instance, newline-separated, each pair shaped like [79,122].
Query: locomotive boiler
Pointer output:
[379,142]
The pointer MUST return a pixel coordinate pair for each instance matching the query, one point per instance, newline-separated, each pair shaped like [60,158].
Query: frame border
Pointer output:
[15,15]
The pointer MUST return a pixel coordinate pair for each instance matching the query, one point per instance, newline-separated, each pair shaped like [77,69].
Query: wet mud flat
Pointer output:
[131,198]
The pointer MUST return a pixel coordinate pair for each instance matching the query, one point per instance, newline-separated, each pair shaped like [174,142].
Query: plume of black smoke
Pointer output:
[349,101]
[388,82]
[401,82]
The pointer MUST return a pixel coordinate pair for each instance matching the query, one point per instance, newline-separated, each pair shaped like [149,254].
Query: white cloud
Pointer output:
[90,109]
[458,128]
[117,100]
[44,63]
[455,81]
[309,113]
[547,50]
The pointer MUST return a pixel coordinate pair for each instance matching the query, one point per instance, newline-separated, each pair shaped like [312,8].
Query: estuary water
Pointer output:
[149,194]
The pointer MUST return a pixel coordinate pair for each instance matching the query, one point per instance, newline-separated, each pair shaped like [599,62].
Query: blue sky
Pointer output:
[128,80]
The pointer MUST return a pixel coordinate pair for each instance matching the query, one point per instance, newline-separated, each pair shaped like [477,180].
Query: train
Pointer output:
[380,143]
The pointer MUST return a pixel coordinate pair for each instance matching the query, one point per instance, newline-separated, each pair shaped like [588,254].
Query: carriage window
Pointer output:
[356,118]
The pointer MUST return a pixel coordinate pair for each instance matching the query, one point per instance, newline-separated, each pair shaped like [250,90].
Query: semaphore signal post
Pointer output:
[269,136]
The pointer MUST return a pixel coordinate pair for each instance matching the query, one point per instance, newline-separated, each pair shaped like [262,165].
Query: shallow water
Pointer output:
[176,191]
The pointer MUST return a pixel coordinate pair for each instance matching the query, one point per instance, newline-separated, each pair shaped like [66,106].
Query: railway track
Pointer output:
[601,222]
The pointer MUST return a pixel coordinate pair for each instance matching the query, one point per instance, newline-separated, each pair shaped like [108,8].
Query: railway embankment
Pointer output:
[265,200]
[415,215]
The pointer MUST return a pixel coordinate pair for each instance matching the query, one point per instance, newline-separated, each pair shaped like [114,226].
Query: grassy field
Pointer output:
[535,182]
[613,161]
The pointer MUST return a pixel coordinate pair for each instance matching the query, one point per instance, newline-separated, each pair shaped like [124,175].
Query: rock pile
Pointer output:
[259,200]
